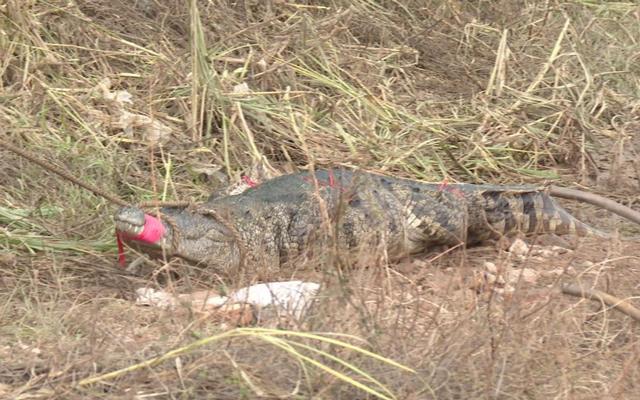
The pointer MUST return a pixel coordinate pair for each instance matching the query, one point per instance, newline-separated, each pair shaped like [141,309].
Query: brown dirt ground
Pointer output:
[464,335]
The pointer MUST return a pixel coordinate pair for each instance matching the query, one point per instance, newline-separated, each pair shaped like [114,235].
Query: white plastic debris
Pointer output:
[153,131]
[290,297]
[239,188]
[241,88]
[119,96]
[157,298]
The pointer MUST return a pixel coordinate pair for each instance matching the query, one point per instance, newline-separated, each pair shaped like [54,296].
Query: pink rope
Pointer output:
[445,187]
[246,179]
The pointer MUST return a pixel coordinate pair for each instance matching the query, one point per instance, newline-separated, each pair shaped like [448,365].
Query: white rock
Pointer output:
[519,248]
[553,272]
[490,278]
[490,267]
[546,253]
[587,264]
[527,275]
[561,250]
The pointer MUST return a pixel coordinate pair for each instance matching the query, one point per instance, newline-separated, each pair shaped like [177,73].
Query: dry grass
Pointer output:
[496,91]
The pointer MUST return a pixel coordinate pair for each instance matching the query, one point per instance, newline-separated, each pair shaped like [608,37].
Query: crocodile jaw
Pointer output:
[201,239]
[127,229]
[142,230]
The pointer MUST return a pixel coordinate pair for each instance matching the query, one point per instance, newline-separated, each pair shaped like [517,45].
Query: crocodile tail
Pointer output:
[531,211]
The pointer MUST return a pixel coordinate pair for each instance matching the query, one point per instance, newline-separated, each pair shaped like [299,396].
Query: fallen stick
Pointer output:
[596,200]
[36,159]
[587,293]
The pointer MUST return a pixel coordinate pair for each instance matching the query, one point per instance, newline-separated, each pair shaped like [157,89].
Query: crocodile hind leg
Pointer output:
[435,219]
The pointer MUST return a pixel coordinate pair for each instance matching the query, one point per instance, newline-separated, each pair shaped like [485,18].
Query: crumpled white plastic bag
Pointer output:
[290,297]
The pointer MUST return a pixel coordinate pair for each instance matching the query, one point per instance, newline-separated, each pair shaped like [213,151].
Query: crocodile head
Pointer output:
[199,238]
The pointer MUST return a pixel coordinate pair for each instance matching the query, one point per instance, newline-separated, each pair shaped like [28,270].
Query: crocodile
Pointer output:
[283,216]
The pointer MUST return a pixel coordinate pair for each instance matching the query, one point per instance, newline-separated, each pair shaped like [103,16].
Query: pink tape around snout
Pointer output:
[152,232]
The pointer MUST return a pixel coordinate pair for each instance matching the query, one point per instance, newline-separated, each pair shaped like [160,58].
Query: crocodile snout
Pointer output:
[130,221]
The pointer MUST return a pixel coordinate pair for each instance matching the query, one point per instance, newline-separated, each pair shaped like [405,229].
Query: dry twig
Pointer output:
[594,294]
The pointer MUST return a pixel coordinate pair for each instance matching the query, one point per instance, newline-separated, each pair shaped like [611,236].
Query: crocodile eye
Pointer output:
[129,220]
[219,234]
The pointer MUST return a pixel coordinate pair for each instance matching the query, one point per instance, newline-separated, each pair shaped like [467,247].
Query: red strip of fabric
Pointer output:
[121,259]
